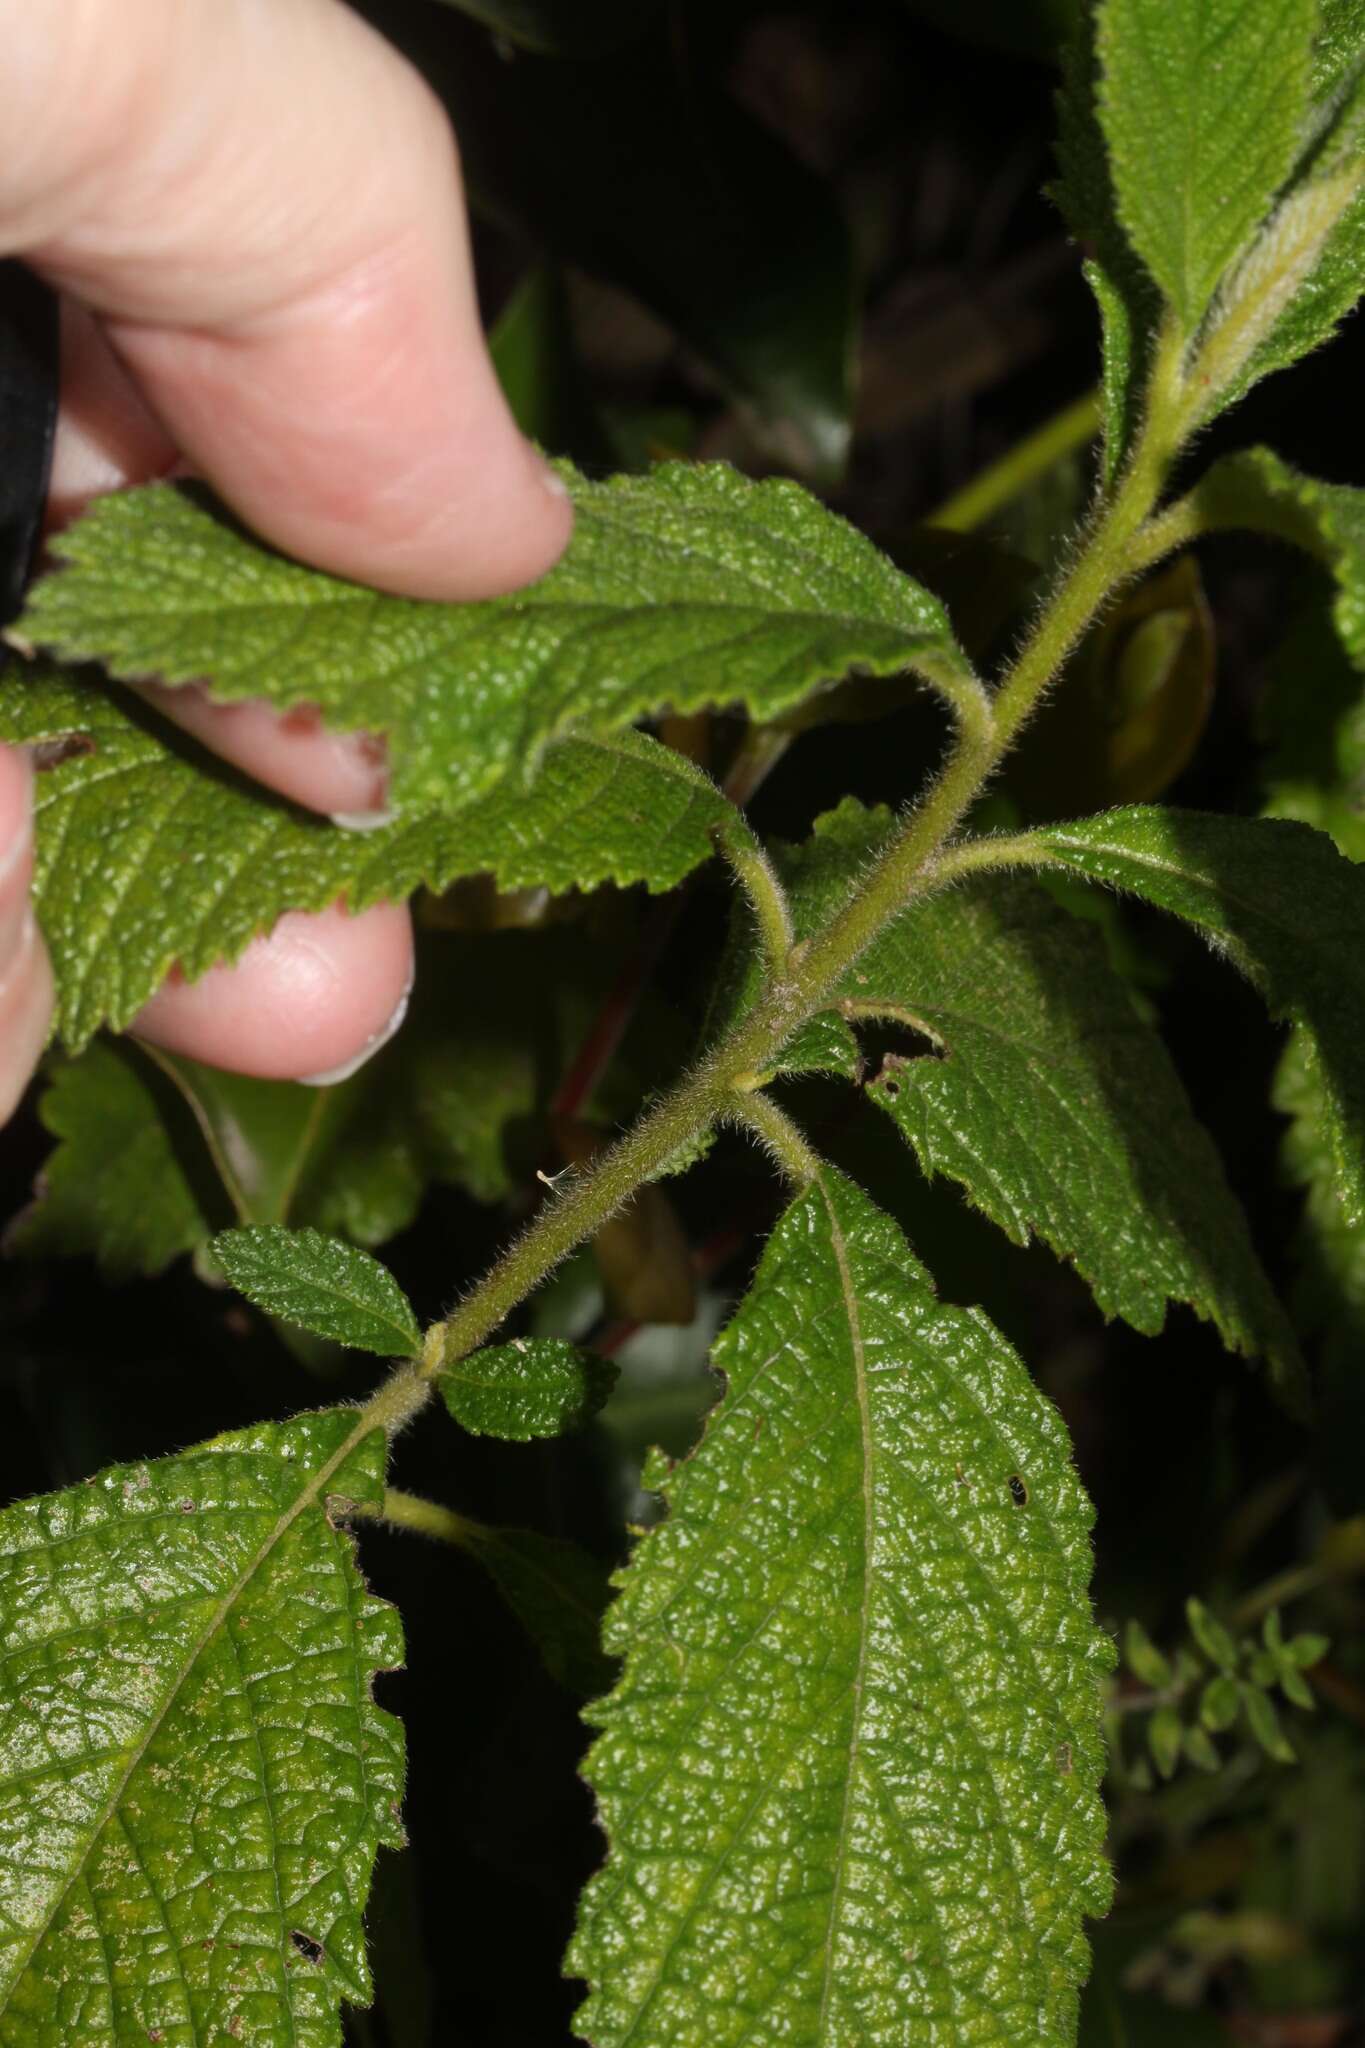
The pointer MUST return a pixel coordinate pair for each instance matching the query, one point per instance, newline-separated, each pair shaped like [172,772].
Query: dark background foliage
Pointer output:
[759,233]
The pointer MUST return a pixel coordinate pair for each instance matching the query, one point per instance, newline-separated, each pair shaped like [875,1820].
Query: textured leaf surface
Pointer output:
[534,1386]
[849,1777]
[688,587]
[321,1284]
[1278,899]
[1128,301]
[1299,263]
[149,852]
[1040,1088]
[193,1779]
[1202,103]
[113,1188]
[1333,192]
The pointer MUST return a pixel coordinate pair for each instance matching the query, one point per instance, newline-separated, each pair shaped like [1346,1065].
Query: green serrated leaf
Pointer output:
[1220,1703]
[321,1284]
[1212,1638]
[1202,103]
[149,852]
[1281,903]
[1264,1724]
[534,1386]
[1143,1658]
[558,1594]
[194,1780]
[1307,270]
[890,1666]
[113,1188]
[1307,1650]
[687,587]
[1042,1090]
[1165,1739]
[1128,301]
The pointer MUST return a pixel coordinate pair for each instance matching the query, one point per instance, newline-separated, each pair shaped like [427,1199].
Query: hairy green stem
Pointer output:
[758,878]
[804,977]
[991,853]
[778,1134]
[400,1510]
[1108,553]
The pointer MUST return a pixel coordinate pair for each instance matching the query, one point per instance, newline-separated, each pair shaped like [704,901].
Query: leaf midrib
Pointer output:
[850,1299]
[307,1495]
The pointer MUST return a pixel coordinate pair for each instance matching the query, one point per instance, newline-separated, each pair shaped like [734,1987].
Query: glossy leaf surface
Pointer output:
[323,1285]
[688,587]
[849,1776]
[534,1386]
[194,1780]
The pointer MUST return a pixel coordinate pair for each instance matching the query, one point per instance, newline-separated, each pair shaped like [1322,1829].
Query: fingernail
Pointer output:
[362,821]
[552,480]
[334,1075]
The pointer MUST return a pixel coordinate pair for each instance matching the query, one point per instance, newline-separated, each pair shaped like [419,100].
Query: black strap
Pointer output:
[28,421]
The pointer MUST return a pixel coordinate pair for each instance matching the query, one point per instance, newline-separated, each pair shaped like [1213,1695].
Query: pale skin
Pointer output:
[254,213]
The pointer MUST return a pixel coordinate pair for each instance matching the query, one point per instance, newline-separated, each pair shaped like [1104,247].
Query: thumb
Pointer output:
[262,200]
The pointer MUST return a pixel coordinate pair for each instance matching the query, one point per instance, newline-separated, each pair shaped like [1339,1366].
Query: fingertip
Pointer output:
[364,430]
[342,774]
[26,1000]
[321,992]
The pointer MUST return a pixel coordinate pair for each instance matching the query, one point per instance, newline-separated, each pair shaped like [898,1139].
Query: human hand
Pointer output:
[253,209]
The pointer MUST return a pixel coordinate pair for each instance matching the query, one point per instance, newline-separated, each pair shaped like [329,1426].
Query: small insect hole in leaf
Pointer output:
[1018,1490]
[887,1049]
[310,1950]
